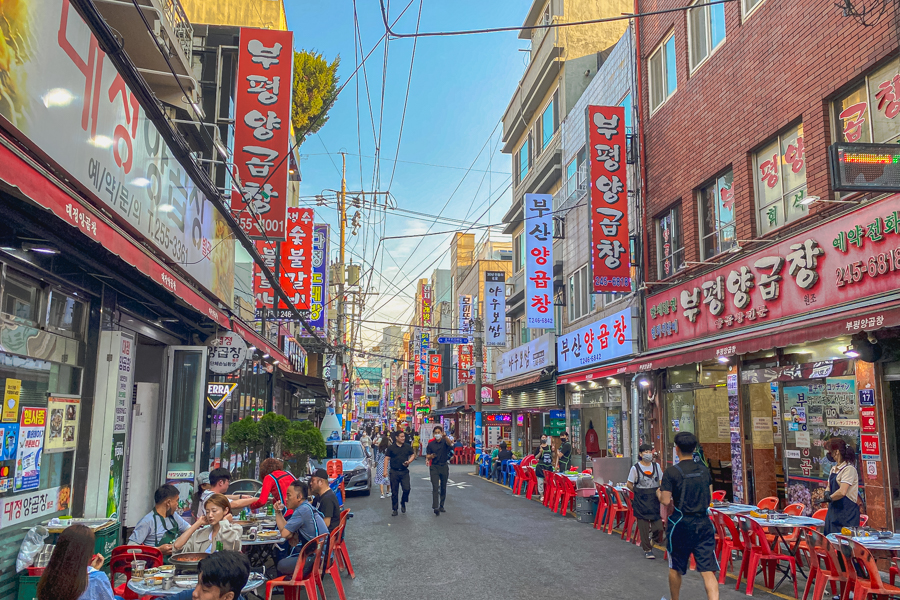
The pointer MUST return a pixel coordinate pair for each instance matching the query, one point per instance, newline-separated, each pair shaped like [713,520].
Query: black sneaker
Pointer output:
[403,507]
[437,513]
[649,555]
[443,509]
[394,513]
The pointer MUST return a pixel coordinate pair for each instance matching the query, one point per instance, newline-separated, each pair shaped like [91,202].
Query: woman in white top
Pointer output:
[843,487]
[211,528]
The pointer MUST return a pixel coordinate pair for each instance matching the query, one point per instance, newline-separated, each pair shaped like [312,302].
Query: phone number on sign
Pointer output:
[622,282]
[879,264]
[270,226]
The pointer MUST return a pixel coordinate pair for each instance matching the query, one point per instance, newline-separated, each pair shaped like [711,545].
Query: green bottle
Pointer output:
[270,509]
[219,546]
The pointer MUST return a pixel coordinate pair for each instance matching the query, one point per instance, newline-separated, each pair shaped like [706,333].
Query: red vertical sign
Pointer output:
[295,263]
[262,125]
[434,368]
[609,199]
[262,289]
[464,363]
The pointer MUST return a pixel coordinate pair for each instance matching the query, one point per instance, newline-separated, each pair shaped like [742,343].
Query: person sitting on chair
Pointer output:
[504,454]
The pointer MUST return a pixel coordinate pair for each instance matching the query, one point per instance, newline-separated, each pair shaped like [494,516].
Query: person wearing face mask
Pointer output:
[211,529]
[502,454]
[564,452]
[544,456]
[843,487]
[162,525]
[438,453]
[644,480]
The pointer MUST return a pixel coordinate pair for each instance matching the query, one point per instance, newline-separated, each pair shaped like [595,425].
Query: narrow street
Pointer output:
[490,544]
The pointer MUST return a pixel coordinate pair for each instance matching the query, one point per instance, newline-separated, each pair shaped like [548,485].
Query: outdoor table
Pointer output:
[782,526]
[891,544]
[256,580]
[732,509]
[259,551]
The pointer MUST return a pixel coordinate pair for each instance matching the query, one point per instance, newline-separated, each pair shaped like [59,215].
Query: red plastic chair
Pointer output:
[718,495]
[847,571]
[332,565]
[770,503]
[566,496]
[823,569]
[762,555]
[730,540]
[868,580]
[294,583]
[820,514]
[588,471]
[602,506]
[519,481]
[795,510]
[549,484]
[340,550]
[895,568]
[528,461]
[531,481]
[120,564]
[335,468]
[557,491]
[630,530]
[617,509]
[863,519]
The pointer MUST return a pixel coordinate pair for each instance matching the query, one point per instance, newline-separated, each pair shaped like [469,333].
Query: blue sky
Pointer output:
[460,87]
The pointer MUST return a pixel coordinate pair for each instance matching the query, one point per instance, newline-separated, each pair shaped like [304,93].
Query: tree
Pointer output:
[272,429]
[313,92]
[303,440]
[242,437]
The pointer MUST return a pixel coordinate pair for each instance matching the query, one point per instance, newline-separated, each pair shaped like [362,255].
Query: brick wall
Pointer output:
[781,65]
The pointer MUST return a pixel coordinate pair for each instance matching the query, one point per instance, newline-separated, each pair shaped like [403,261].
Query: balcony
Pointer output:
[542,73]
[573,190]
[171,29]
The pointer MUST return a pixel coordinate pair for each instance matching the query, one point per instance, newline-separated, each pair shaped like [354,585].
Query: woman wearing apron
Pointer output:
[644,480]
[843,487]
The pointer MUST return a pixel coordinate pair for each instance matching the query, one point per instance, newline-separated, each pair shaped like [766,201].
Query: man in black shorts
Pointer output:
[688,487]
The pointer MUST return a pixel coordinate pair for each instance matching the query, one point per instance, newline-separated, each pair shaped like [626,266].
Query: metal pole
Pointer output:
[479,366]
[339,401]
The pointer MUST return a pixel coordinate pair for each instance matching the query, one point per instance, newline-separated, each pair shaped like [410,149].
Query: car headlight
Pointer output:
[355,472]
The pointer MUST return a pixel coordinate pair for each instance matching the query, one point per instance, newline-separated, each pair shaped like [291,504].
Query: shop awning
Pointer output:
[878,315]
[593,373]
[517,382]
[449,410]
[254,339]
[315,385]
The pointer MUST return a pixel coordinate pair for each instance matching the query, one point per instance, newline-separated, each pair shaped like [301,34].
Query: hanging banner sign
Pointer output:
[31,447]
[610,264]
[262,131]
[11,395]
[262,290]
[464,363]
[434,368]
[318,289]
[295,258]
[62,430]
[227,353]
[426,305]
[217,393]
[465,314]
[423,349]
[538,261]
[495,308]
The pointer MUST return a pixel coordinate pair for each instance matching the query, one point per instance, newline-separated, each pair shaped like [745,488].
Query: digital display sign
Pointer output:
[865,167]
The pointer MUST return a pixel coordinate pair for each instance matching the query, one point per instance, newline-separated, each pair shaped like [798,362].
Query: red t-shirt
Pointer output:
[284,481]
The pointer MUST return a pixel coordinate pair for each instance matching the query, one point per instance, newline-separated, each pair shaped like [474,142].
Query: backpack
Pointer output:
[591,441]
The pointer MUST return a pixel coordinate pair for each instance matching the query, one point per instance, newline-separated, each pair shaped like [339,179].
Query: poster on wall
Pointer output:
[124,385]
[26,507]
[11,394]
[31,447]
[62,426]
[734,420]
[9,441]
[539,260]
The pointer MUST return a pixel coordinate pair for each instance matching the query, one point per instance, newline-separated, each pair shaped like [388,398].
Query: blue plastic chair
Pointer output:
[484,466]
[504,472]
[336,488]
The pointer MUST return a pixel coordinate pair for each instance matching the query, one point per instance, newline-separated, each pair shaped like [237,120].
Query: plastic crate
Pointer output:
[588,503]
[27,587]
[107,539]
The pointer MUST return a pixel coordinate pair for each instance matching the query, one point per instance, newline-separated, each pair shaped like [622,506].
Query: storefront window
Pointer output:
[697,401]
[188,376]
[599,408]
[826,350]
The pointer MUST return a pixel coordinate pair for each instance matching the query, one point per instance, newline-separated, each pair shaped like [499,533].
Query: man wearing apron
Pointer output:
[162,525]
[643,480]
[564,452]
[843,488]
[688,487]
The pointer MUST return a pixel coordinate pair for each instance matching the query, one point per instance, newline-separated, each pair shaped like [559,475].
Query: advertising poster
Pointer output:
[11,400]
[734,420]
[62,427]
[539,260]
[9,436]
[25,507]
[125,379]
[31,447]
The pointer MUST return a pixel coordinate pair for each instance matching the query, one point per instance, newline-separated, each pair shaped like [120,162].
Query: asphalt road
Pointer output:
[493,545]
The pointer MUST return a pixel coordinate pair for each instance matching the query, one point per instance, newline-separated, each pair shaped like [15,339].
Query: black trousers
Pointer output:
[398,479]
[439,475]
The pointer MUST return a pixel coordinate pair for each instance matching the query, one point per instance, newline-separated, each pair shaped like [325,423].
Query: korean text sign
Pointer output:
[539,260]
[609,199]
[31,446]
[465,314]
[262,125]
[262,290]
[318,289]
[495,308]
[607,339]
[26,507]
[847,259]
[434,368]
[74,106]
[295,259]
[426,305]
[464,363]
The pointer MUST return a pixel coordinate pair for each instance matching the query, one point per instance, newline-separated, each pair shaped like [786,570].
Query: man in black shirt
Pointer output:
[502,455]
[438,453]
[565,452]
[400,454]
[688,486]
[326,501]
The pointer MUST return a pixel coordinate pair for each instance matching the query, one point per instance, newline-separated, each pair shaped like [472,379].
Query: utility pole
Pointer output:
[342,207]
[479,368]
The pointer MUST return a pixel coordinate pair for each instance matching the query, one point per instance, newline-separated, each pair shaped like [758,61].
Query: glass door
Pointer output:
[185,386]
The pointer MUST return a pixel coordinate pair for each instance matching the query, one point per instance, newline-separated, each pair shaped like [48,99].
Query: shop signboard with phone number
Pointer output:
[844,260]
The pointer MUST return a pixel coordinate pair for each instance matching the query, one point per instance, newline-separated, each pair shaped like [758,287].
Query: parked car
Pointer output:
[249,487]
[358,466]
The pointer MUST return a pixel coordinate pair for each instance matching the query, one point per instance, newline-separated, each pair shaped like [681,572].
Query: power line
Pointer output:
[411,162]
[412,60]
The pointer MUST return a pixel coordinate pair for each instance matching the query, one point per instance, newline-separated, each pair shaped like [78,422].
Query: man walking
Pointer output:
[400,454]
[688,487]
[644,480]
[438,452]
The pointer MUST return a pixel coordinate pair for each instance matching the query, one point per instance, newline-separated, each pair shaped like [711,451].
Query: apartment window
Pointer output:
[20,299]
[65,314]
[663,76]
[571,168]
[519,253]
[523,159]
[580,299]
[780,175]
[717,216]
[869,113]
[524,333]
[669,243]
[706,30]
[626,104]
[549,121]
[748,6]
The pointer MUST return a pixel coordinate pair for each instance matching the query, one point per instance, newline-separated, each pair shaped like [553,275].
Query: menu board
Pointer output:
[813,412]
